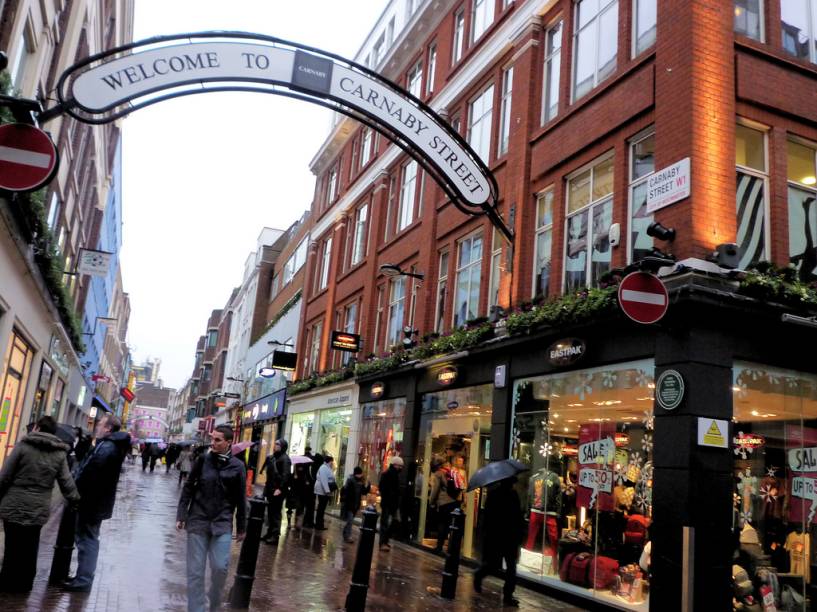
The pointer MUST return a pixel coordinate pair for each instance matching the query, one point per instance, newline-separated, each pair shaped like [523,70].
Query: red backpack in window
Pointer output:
[636,530]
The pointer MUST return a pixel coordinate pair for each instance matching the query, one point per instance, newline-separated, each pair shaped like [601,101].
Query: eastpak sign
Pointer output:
[566,351]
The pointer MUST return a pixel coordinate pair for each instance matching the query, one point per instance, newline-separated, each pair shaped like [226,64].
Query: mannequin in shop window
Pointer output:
[544,493]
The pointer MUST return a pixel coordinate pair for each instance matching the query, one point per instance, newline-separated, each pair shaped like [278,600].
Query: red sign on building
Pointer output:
[643,297]
[28,158]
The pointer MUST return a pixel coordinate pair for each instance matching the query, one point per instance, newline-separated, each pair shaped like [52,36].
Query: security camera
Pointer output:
[656,230]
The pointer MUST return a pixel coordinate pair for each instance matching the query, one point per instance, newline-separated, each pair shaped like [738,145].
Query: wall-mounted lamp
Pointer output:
[388,269]
[726,255]
[234,379]
[662,232]
[276,343]
[408,333]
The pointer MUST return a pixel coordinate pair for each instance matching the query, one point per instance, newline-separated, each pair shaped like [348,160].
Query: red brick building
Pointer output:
[585,111]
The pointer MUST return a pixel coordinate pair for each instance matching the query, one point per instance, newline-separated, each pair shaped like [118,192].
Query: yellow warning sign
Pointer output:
[713,432]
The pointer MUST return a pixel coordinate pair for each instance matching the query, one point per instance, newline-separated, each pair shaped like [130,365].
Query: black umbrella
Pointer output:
[496,471]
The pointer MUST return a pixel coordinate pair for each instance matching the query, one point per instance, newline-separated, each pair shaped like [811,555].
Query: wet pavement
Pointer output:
[142,566]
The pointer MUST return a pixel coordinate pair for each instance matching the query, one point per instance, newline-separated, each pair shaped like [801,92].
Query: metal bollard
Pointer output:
[358,589]
[245,572]
[452,559]
[64,546]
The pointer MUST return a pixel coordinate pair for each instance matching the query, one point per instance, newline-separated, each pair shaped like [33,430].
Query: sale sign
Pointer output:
[597,451]
[801,459]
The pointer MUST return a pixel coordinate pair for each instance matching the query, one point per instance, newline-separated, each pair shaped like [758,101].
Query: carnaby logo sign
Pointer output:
[312,72]
[566,351]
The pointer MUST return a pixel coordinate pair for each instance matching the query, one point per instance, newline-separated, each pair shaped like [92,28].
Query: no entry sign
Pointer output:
[28,158]
[643,297]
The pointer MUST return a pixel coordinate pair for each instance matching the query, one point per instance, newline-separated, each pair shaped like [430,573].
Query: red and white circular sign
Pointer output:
[28,158]
[643,297]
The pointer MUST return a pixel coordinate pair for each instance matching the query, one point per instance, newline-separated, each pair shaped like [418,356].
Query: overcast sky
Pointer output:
[202,175]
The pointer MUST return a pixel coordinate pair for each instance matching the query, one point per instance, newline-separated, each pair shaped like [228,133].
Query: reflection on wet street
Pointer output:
[142,566]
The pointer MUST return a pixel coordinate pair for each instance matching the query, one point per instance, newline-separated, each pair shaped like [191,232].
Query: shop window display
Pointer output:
[454,442]
[300,433]
[587,437]
[381,436]
[774,444]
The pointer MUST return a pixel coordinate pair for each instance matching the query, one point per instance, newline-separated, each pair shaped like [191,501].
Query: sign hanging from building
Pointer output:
[93,262]
[265,408]
[282,360]
[344,341]
[668,186]
[127,394]
[28,157]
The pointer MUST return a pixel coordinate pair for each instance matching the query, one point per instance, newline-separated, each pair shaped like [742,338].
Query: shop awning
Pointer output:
[100,403]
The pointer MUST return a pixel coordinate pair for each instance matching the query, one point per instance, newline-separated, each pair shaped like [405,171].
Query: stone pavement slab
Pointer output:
[142,567]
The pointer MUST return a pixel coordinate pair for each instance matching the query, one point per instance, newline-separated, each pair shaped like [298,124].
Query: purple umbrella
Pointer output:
[296,459]
[241,446]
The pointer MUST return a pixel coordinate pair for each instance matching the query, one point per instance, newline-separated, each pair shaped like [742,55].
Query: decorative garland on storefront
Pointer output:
[768,283]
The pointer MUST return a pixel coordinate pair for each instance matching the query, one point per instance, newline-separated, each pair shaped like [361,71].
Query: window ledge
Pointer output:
[777,55]
[351,270]
[400,235]
[620,75]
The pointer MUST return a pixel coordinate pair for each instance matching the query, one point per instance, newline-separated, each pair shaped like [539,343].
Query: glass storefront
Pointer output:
[381,436]
[18,364]
[333,439]
[774,444]
[587,437]
[300,432]
[454,436]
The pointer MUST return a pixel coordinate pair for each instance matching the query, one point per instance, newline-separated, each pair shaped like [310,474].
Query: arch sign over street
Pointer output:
[112,84]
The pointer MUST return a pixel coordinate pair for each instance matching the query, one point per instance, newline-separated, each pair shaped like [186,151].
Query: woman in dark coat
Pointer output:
[26,483]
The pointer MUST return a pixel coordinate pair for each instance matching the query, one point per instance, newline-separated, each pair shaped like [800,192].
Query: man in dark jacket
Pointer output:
[214,491]
[309,487]
[279,474]
[96,478]
[503,529]
[26,483]
[350,495]
[389,488]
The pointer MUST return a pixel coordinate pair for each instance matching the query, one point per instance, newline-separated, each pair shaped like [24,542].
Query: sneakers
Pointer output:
[75,587]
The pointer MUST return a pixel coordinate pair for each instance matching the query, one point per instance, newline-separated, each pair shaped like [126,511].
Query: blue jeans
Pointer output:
[87,539]
[349,517]
[199,547]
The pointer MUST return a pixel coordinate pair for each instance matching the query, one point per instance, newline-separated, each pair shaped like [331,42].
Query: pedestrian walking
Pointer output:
[155,455]
[325,485]
[185,463]
[350,495]
[503,532]
[301,492]
[279,473]
[146,451]
[446,496]
[134,452]
[389,488]
[214,492]
[96,478]
[26,483]
[171,456]
[309,492]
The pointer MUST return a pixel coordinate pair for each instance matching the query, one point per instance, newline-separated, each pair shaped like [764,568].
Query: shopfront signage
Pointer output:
[283,360]
[127,394]
[94,263]
[669,389]
[500,376]
[713,432]
[566,352]
[265,408]
[748,442]
[668,185]
[343,341]
[598,451]
[597,480]
[447,375]
[622,439]
[801,455]
[803,459]
[377,390]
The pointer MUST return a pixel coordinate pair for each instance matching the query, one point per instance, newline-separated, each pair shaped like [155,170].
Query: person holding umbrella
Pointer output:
[503,524]
[302,491]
